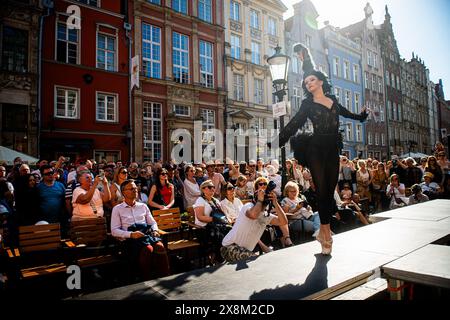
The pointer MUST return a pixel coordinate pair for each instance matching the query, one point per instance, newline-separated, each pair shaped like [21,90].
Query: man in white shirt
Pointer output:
[240,242]
[143,251]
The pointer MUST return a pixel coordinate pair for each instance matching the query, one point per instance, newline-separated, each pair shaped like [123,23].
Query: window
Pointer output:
[272,26]
[356,73]
[180,58]
[336,63]
[106,52]
[392,80]
[377,139]
[101,155]
[346,70]
[235,46]
[308,40]
[348,100]
[93,3]
[349,131]
[359,133]
[380,85]
[206,64]
[259,91]
[369,58]
[398,82]
[234,11]
[106,107]
[382,114]
[383,139]
[155,1]
[375,60]
[256,55]
[254,19]
[67,103]
[337,93]
[387,77]
[15,50]
[204,10]
[180,6]
[374,82]
[399,111]
[366,80]
[151,51]
[296,64]
[357,102]
[66,44]
[297,97]
[238,87]
[208,126]
[152,131]
[181,111]
[370,138]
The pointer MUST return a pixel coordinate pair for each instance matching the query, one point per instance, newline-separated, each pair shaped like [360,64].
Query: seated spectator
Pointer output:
[120,175]
[300,215]
[162,194]
[132,221]
[243,191]
[346,193]
[417,196]
[190,187]
[430,188]
[396,193]
[87,200]
[231,205]
[433,167]
[199,176]
[27,200]
[275,177]
[240,242]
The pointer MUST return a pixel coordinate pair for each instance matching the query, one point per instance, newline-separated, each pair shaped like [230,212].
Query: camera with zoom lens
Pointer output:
[270,187]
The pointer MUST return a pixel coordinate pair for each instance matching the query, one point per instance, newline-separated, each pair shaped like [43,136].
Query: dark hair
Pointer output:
[125,183]
[45,167]
[326,86]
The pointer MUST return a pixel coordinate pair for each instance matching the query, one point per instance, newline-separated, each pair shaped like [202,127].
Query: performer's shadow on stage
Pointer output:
[316,281]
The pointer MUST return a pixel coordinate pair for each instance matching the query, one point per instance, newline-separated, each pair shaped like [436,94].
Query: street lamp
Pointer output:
[279,67]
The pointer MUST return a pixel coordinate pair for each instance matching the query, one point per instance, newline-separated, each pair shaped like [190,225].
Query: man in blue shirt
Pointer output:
[51,197]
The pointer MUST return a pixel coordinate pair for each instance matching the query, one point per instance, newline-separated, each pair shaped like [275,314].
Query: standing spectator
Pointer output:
[27,200]
[413,174]
[191,188]
[3,177]
[133,170]
[379,184]
[433,167]
[39,164]
[87,200]
[363,180]
[52,198]
[217,179]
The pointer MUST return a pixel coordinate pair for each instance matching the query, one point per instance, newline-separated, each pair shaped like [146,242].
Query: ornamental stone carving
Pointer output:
[180,94]
[273,40]
[255,33]
[235,26]
[15,82]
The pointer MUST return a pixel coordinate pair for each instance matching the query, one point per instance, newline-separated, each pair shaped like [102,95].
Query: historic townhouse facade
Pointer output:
[344,57]
[433,117]
[415,131]
[253,30]
[443,108]
[85,109]
[180,49]
[19,76]
[364,33]
[393,94]
[302,27]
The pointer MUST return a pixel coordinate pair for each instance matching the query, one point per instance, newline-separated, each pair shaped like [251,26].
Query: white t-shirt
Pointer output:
[191,192]
[231,209]
[201,202]
[83,211]
[246,232]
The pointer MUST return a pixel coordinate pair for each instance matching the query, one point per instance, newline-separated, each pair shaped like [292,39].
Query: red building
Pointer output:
[85,68]
[180,44]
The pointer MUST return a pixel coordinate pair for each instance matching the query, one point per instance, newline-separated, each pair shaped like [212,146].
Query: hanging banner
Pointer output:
[134,72]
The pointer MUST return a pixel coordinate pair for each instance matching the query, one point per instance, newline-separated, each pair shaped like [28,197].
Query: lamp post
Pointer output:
[279,67]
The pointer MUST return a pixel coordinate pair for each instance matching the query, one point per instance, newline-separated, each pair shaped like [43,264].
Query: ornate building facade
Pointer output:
[19,78]
[253,30]
[364,33]
[180,49]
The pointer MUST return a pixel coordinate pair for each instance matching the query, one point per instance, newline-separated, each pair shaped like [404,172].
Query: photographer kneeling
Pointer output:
[240,242]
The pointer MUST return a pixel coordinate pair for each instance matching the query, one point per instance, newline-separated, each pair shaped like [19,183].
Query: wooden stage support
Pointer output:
[301,272]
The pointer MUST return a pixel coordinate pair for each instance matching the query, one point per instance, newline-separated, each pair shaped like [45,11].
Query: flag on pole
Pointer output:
[135,72]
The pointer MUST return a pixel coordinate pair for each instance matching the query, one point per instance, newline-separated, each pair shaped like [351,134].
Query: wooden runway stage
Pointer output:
[301,272]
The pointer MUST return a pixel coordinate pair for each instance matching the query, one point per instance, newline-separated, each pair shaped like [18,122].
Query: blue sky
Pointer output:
[422,26]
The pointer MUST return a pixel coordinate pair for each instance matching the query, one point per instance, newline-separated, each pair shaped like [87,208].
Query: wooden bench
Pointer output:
[94,245]
[39,251]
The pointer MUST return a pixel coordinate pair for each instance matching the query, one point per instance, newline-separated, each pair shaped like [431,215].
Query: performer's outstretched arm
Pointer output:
[296,123]
[350,115]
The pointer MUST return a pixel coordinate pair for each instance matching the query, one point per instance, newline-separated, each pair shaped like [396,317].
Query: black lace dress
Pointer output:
[320,152]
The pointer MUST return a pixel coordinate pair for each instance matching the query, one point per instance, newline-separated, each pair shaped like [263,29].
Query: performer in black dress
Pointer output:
[319,152]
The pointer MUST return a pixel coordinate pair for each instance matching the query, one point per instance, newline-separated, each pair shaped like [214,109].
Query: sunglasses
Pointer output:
[230,188]
[124,172]
[262,184]
[163,174]
[210,187]
[49,173]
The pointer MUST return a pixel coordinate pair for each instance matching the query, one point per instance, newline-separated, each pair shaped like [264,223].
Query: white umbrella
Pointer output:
[7,155]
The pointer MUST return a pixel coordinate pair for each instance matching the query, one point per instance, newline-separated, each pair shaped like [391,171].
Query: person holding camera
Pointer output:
[320,151]
[250,224]
[396,193]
